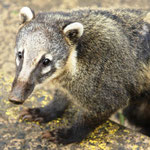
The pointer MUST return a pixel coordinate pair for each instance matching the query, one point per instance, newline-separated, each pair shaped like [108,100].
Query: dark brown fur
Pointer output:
[112,69]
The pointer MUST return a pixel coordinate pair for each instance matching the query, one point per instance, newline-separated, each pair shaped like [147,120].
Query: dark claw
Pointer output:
[31,115]
[40,119]
[27,117]
[47,135]
[51,136]
[55,137]
[23,113]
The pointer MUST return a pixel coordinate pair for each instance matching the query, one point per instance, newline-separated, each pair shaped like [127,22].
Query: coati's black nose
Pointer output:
[14,99]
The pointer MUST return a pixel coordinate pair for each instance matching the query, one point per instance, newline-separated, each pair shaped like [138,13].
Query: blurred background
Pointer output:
[9,25]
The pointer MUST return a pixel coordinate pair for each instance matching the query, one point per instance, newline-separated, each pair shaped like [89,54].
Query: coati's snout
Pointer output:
[20,92]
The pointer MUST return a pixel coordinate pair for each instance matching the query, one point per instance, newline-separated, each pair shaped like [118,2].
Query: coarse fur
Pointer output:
[100,58]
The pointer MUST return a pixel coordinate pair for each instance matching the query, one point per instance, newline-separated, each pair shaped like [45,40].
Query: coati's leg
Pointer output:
[83,124]
[50,112]
[138,114]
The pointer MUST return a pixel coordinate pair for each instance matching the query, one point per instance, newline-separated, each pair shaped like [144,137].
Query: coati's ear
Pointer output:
[26,14]
[73,31]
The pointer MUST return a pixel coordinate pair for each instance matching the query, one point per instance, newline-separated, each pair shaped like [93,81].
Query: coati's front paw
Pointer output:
[57,136]
[62,136]
[32,114]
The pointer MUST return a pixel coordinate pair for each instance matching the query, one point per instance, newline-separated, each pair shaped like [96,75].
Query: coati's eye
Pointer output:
[19,55]
[46,62]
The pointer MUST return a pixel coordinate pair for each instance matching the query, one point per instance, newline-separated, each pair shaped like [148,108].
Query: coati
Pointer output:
[98,60]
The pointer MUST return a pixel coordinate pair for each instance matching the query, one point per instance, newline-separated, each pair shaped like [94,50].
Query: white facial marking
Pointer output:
[46,69]
[26,69]
[17,61]
[49,56]
[75,26]
[20,50]
[57,65]
[17,51]
[26,11]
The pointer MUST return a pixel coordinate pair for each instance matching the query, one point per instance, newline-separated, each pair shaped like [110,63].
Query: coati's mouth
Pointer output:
[15,102]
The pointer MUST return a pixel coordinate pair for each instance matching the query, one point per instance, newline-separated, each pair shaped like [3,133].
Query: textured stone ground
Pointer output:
[18,135]
[15,134]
